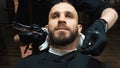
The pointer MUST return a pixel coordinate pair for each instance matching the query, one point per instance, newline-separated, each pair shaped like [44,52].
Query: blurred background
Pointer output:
[10,51]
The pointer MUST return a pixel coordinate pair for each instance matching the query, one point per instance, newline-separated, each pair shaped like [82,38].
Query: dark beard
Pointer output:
[62,40]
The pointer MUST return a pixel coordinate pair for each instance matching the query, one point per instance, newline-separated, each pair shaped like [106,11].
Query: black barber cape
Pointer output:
[49,60]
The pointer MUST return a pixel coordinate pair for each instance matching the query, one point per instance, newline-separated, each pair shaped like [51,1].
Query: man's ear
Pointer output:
[79,28]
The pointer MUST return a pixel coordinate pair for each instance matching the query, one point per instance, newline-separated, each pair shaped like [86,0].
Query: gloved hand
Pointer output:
[95,39]
[35,34]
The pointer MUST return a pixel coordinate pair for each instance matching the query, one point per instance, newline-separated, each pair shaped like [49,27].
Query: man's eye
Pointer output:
[69,16]
[54,16]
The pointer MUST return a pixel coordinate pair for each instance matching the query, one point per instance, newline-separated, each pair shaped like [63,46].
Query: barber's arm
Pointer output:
[110,16]
[95,38]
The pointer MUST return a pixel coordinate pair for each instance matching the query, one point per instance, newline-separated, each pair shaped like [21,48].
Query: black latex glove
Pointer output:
[95,39]
[35,35]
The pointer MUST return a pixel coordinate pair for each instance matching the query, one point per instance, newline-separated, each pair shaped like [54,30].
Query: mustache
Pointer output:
[61,27]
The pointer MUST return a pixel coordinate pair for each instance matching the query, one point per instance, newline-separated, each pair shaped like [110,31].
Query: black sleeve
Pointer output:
[93,8]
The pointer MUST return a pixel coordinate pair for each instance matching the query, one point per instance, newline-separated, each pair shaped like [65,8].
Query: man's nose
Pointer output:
[62,20]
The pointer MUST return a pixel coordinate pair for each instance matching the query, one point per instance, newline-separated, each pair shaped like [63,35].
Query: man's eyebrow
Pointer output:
[56,12]
[70,12]
[66,12]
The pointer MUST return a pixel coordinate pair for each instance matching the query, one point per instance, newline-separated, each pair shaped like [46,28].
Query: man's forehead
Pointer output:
[63,7]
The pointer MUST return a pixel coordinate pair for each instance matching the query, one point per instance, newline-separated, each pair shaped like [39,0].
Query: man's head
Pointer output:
[63,24]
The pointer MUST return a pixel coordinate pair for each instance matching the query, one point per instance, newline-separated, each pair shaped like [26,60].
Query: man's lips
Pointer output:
[61,29]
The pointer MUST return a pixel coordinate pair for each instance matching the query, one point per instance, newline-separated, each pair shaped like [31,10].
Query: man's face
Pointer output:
[63,24]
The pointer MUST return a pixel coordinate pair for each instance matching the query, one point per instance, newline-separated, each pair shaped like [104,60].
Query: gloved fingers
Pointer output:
[26,37]
[25,33]
[87,40]
[97,47]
